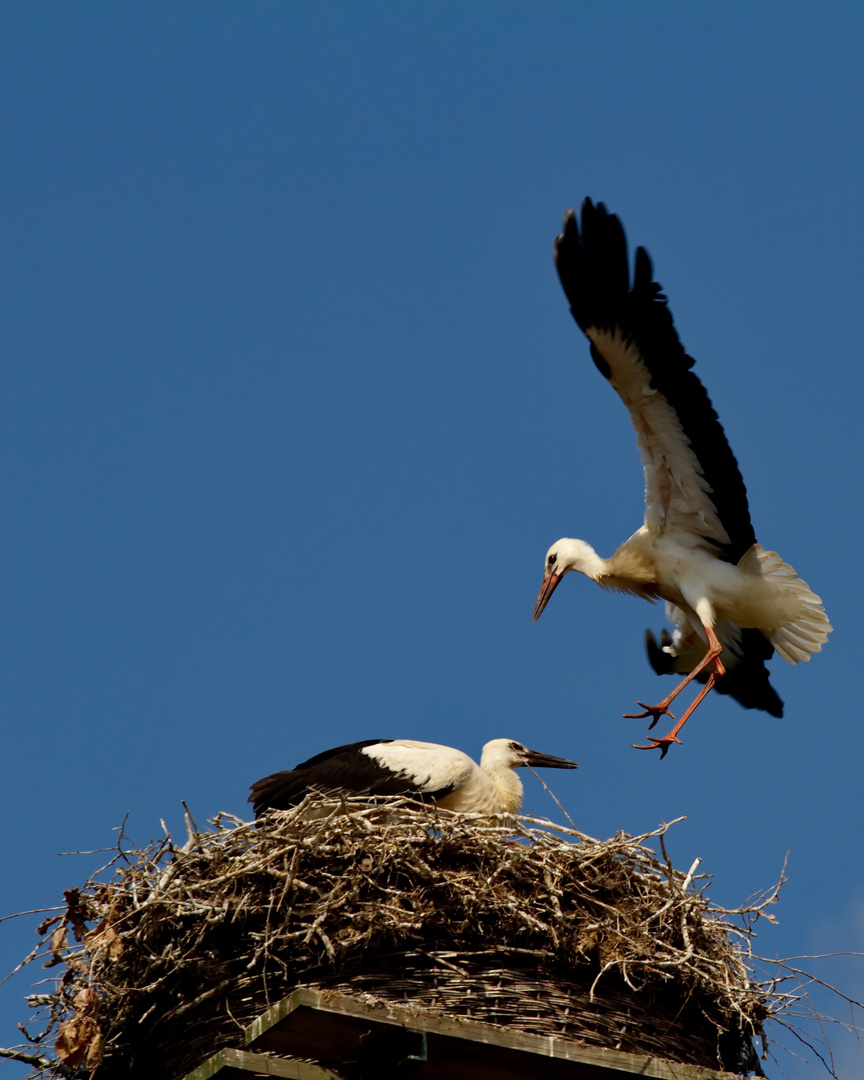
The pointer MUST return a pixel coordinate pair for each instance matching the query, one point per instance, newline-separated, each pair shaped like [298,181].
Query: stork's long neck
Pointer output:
[577,555]
[508,786]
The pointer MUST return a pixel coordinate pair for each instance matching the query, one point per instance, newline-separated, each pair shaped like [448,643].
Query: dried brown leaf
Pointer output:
[46,925]
[58,944]
[75,1038]
[104,936]
[94,1051]
[77,912]
[86,1001]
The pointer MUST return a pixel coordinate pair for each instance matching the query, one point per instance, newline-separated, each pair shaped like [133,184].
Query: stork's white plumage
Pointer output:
[421,770]
[732,602]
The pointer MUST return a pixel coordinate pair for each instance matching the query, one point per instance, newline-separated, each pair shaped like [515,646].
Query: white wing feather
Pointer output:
[677,495]
[430,766]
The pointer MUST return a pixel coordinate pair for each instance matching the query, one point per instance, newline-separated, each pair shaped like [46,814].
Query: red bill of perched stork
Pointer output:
[421,770]
[732,602]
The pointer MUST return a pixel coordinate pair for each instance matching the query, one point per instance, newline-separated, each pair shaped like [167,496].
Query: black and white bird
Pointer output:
[732,602]
[425,771]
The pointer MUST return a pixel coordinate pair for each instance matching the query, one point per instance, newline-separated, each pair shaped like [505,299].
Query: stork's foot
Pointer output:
[654,711]
[658,744]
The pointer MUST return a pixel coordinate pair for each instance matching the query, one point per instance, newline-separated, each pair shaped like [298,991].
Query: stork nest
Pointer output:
[168,952]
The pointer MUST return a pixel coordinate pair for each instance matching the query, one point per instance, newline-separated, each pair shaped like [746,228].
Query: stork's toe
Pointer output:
[658,744]
[654,711]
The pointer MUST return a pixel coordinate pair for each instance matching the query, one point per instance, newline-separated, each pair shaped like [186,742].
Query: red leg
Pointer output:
[663,744]
[712,654]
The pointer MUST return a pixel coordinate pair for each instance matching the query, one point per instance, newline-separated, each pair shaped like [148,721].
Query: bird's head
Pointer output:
[507,753]
[563,556]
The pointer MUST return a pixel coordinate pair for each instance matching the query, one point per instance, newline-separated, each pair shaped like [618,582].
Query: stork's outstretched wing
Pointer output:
[692,481]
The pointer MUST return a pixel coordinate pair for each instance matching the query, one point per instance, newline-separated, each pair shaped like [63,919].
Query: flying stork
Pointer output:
[732,602]
[421,770]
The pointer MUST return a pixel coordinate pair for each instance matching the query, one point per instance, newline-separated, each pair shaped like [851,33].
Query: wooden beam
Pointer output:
[414,1019]
[260,1064]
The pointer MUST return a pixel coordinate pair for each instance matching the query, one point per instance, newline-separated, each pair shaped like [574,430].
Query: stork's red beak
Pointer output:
[546,761]
[546,590]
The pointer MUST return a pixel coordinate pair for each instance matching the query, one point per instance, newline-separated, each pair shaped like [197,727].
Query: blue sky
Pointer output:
[292,407]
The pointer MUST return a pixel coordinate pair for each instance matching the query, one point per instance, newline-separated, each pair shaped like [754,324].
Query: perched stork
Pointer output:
[732,602]
[421,770]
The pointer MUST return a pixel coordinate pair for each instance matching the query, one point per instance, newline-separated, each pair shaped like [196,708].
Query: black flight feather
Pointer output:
[594,272]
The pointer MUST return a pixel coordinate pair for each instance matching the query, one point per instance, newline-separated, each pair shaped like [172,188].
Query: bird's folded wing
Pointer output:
[426,768]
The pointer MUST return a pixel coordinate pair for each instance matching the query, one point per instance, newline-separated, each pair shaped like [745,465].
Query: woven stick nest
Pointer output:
[167,953]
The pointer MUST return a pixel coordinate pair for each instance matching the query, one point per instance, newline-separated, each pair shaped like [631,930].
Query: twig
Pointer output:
[31,1059]
[553,795]
[33,911]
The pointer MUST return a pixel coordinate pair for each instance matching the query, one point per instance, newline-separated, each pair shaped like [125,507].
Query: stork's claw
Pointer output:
[658,744]
[650,710]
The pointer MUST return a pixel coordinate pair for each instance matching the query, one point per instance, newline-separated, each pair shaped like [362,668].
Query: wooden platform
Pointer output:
[320,1035]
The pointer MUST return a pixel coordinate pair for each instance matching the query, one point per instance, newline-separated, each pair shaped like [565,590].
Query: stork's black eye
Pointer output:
[552,559]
